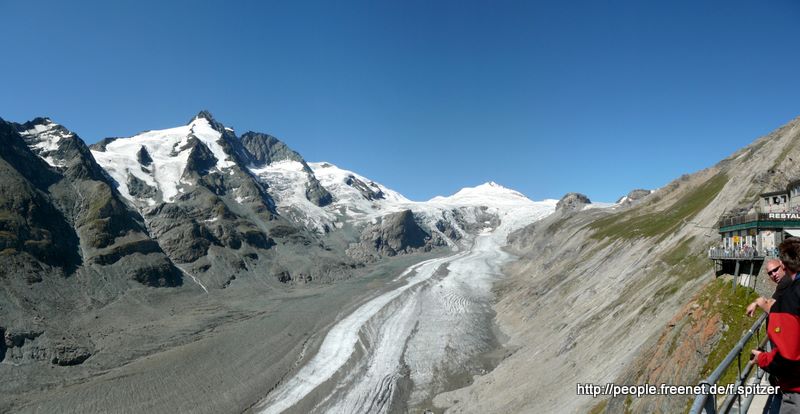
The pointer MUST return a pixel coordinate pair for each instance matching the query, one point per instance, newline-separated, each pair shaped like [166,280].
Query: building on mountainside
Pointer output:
[748,239]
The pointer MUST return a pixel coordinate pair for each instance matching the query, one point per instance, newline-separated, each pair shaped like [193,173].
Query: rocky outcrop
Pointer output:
[634,197]
[201,160]
[397,233]
[144,157]
[572,202]
[30,345]
[264,149]
[69,354]
[369,191]
[139,188]
[101,145]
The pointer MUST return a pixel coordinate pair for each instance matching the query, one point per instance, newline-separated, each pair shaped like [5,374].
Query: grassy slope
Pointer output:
[633,224]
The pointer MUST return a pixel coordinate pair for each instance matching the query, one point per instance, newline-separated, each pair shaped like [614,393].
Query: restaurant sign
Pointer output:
[784,216]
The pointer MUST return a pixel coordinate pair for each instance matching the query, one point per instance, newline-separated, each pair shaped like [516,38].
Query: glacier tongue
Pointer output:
[432,325]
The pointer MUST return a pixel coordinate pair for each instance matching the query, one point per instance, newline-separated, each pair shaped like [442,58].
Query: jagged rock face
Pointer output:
[370,191]
[396,233]
[264,149]
[317,194]
[144,157]
[101,145]
[33,227]
[67,213]
[572,202]
[30,224]
[186,182]
[204,201]
[201,160]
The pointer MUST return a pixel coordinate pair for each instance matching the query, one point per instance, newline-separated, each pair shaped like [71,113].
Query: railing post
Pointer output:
[710,405]
[705,401]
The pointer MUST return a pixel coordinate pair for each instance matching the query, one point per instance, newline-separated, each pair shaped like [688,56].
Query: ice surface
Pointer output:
[432,324]
[287,181]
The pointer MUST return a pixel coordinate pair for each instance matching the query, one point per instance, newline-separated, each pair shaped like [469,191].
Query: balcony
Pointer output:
[776,219]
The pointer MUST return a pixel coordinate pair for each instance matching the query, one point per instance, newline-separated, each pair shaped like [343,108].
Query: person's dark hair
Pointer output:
[790,254]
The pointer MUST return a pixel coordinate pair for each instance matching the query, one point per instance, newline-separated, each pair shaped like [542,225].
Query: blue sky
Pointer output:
[426,97]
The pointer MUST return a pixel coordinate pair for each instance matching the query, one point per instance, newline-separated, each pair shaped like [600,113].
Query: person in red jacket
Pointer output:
[783,329]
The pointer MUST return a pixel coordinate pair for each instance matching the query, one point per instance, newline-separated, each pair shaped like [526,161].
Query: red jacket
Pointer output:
[783,361]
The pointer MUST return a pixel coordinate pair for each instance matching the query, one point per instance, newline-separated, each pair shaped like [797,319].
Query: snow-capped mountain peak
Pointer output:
[168,151]
[486,193]
[204,114]
[44,136]
[351,187]
[159,166]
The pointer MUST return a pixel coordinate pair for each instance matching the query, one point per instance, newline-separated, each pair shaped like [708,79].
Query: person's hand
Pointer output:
[751,309]
[755,353]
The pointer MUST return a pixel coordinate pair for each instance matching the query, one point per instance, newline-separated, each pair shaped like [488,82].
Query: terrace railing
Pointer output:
[738,253]
[707,402]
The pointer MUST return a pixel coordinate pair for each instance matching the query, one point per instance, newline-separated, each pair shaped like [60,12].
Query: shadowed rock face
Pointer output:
[70,215]
[396,233]
[201,159]
[369,191]
[3,345]
[144,157]
[30,224]
[264,149]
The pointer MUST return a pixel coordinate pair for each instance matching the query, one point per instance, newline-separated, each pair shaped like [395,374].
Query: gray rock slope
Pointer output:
[594,290]
[66,240]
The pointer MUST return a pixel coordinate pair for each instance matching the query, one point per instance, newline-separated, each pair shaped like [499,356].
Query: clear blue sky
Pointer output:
[425,96]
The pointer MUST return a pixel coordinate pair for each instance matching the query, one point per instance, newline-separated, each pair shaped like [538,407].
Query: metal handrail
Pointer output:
[741,219]
[727,403]
[738,253]
[707,401]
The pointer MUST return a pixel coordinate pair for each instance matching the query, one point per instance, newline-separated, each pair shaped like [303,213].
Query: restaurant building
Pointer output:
[748,239]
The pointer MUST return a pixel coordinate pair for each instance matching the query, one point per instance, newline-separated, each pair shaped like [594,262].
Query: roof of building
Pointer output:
[774,193]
